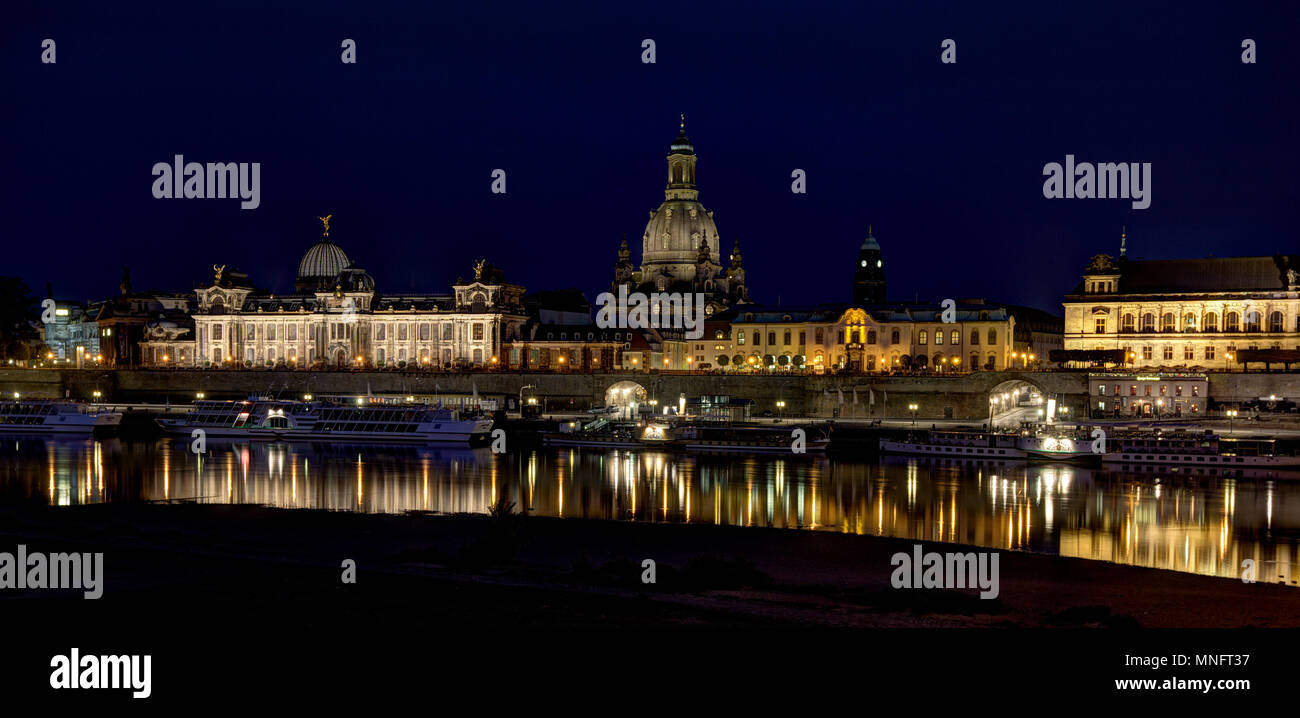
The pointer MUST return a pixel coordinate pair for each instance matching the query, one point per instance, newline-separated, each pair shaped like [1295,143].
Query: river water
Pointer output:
[1200,525]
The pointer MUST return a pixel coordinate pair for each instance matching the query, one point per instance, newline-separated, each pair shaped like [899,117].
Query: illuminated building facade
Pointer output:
[341,321]
[872,339]
[1185,313]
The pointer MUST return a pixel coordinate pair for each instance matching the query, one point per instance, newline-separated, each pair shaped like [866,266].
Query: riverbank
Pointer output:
[163,562]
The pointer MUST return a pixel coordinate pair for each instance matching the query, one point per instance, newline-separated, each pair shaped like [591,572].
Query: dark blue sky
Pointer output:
[944,160]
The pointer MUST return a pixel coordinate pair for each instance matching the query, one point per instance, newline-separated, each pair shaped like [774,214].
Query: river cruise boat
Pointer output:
[272,419]
[1196,453]
[695,437]
[1050,443]
[747,439]
[957,444]
[55,417]
[1044,443]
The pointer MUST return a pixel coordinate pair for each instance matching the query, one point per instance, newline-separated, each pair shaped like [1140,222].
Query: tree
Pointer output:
[18,311]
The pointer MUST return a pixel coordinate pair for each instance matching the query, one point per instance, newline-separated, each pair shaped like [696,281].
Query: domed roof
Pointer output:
[870,241]
[674,232]
[325,260]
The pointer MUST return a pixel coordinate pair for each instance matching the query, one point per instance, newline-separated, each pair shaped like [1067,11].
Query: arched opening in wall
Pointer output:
[1013,401]
[625,397]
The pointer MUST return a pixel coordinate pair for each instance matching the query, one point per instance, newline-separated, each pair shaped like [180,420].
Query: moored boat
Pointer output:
[956,443]
[1192,451]
[696,437]
[272,419]
[38,416]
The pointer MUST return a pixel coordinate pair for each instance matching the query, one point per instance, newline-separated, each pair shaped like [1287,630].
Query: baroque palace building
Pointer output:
[1185,313]
[336,318]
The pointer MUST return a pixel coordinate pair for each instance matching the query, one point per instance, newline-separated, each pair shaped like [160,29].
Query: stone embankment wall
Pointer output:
[962,397]
[936,397]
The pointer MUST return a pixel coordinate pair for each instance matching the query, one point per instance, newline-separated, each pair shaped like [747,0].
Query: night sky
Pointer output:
[945,161]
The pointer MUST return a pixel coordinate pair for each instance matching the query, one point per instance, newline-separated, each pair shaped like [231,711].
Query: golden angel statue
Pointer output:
[478,269]
[218,270]
[326,221]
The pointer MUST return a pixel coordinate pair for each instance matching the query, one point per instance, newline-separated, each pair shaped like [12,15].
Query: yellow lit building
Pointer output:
[1185,313]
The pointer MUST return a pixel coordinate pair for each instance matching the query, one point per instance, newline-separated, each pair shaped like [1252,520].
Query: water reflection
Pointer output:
[1201,525]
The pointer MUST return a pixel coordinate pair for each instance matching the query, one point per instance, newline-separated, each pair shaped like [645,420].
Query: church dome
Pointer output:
[672,238]
[325,260]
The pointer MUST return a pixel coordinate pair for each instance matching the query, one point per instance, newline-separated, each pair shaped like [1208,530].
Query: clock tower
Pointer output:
[869,274]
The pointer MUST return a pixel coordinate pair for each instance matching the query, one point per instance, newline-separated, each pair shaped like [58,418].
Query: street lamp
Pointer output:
[1232,414]
[912,408]
[780,407]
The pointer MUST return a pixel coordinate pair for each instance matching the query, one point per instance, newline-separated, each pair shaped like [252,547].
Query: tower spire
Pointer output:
[681,167]
[1123,240]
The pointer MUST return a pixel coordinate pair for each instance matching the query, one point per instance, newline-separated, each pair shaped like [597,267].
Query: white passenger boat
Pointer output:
[1057,445]
[956,444]
[1199,452]
[271,419]
[1042,443]
[54,417]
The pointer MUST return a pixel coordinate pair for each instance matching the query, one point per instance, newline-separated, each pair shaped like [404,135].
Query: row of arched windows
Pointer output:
[1232,322]
[955,337]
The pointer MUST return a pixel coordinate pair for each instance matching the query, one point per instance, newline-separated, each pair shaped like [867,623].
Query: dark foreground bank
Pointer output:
[264,594]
